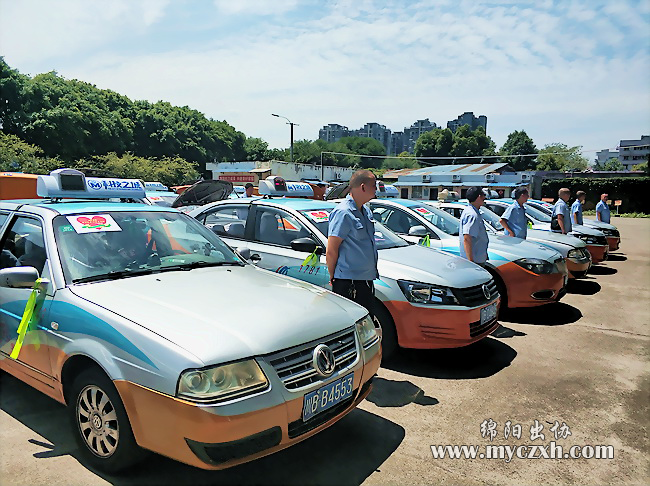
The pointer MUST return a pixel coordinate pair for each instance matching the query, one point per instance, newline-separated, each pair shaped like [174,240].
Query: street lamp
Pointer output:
[289,122]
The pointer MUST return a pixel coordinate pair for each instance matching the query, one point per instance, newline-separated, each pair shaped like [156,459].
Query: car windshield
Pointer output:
[491,218]
[384,238]
[543,209]
[165,201]
[120,244]
[537,214]
[442,220]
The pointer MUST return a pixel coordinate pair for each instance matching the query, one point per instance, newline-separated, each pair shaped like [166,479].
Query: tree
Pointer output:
[643,166]
[256,149]
[404,160]
[613,164]
[519,143]
[558,156]
[435,143]
[360,145]
[19,156]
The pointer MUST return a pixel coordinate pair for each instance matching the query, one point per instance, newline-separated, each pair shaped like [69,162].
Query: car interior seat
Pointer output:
[399,222]
[235,230]
[269,231]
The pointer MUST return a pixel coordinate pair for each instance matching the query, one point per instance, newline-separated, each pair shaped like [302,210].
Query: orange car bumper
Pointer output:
[598,252]
[528,289]
[193,434]
[430,328]
[614,242]
[577,270]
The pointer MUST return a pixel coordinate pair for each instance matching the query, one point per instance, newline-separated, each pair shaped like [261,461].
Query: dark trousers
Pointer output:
[360,291]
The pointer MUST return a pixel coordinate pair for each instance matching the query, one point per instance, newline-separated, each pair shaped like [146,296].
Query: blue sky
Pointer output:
[574,72]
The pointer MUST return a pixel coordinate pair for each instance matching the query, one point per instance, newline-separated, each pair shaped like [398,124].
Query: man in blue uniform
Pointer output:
[351,249]
[562,213]
[514,217]
[473,238]
[576,207]
[602,209]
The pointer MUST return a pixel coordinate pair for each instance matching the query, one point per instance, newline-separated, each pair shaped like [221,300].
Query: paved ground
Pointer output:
[583,362]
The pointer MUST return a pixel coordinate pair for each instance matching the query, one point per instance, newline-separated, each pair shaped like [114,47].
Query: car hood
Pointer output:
[515,248]
[576,228]
[428,265]
[224,314]
[592,223]
[551,236]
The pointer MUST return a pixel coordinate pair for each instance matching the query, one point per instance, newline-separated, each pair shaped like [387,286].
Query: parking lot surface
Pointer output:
[582,363]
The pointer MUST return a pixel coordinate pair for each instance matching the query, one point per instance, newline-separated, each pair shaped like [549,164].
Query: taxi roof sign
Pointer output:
[277,186]
[70,183]
[155,186]
[386,190]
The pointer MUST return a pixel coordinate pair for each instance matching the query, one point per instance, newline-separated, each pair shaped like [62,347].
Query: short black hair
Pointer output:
[248,184]
[520,191]
[473,193]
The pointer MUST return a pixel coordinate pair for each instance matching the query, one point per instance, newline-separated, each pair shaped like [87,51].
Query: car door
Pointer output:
[23,244]
[273,231]
[399,221]
[228,221]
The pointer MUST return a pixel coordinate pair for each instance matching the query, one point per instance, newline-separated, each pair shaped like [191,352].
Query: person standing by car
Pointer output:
[576,207]
[351,254]
[514,218]
[602,209]
[473,238]
[561,213]
[249,189]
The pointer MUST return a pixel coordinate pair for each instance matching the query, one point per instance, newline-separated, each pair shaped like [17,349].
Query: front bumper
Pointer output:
[577,269]
[528,289]
[427,327]
[598,252]
[196,435]
[614,242]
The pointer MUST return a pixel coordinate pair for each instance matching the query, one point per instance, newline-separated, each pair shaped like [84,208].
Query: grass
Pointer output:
[622,215]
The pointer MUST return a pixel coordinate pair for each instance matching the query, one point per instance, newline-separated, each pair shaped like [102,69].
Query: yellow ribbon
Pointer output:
[530,225]
[426,241]
[312,260]
[29,319]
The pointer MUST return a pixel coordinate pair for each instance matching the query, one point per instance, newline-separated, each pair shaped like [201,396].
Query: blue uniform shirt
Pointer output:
[562,208]
[576,208]
[603,209]
[358,251]
[515,215]
[471,223]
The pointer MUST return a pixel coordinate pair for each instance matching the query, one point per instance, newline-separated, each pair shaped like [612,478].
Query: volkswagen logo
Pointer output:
[324,361]
[486,291]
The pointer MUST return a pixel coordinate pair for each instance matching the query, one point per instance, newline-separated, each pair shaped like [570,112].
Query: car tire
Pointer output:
[101,425]
[503,292]
[384,322]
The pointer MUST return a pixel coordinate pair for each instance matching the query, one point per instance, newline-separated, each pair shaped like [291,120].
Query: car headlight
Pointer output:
[222,382]
[576,254]
[421,293]
[366,331]
[536,265]
[590,240]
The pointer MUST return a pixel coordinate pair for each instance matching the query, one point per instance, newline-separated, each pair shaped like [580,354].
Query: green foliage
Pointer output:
[19,156]
[613,164]
[630,190]
[519,143]
[558,156]
[256,149]
[643,167]
[465,142]
[403,161]
[168,170]
[359,145]
[435,143]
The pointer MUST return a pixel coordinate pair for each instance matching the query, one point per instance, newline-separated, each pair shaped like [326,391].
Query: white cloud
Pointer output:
[255,7]
[527,67]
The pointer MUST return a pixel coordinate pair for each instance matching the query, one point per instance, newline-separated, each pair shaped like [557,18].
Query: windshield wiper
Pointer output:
[114,275]
[200,264]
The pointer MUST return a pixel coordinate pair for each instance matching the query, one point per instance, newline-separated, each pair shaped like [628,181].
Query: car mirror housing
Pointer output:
[18,277]
[306,245]
[418,230]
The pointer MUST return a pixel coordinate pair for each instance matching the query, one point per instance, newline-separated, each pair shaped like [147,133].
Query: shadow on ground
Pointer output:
[346,453]
[583,287]
[601,270]
[616,257]
[505,332]
[555,314]
[479,360]
[391,393]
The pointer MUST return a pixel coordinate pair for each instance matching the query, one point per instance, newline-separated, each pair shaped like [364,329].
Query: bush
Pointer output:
[630,190]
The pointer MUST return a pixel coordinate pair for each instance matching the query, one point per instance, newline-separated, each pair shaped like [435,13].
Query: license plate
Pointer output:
[327,396]
[488,313]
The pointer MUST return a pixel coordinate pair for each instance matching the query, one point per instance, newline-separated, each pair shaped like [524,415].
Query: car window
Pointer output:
[3,218]
[123,243]
[398,221]
[497,208]
[228,221]
[491,218]
[439,218]
[537,214]
[24,245]
[277,227]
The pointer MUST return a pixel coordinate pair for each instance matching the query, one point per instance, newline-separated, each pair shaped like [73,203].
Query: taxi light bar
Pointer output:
[277,186]
[155,186]
[71,183]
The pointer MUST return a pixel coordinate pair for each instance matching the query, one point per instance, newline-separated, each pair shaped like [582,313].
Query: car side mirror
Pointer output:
[306,245]
[418,230]
[18,277]
[246,254]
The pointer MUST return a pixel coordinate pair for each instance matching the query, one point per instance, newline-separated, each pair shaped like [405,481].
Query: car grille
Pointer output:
[476,329]
[474,296]
[294,365]
[601,240]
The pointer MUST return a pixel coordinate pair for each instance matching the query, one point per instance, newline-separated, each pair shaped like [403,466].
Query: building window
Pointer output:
[626,157]
[404,193]
[416,192]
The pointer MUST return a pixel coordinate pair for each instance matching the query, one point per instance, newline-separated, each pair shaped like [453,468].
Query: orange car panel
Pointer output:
[613,242]
[521,284]
[598,252]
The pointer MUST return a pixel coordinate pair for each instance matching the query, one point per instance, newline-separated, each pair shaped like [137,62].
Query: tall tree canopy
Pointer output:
[558,156]
[519,143]
[465,142]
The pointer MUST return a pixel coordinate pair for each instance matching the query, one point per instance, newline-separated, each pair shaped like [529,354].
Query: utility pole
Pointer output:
[290,123]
